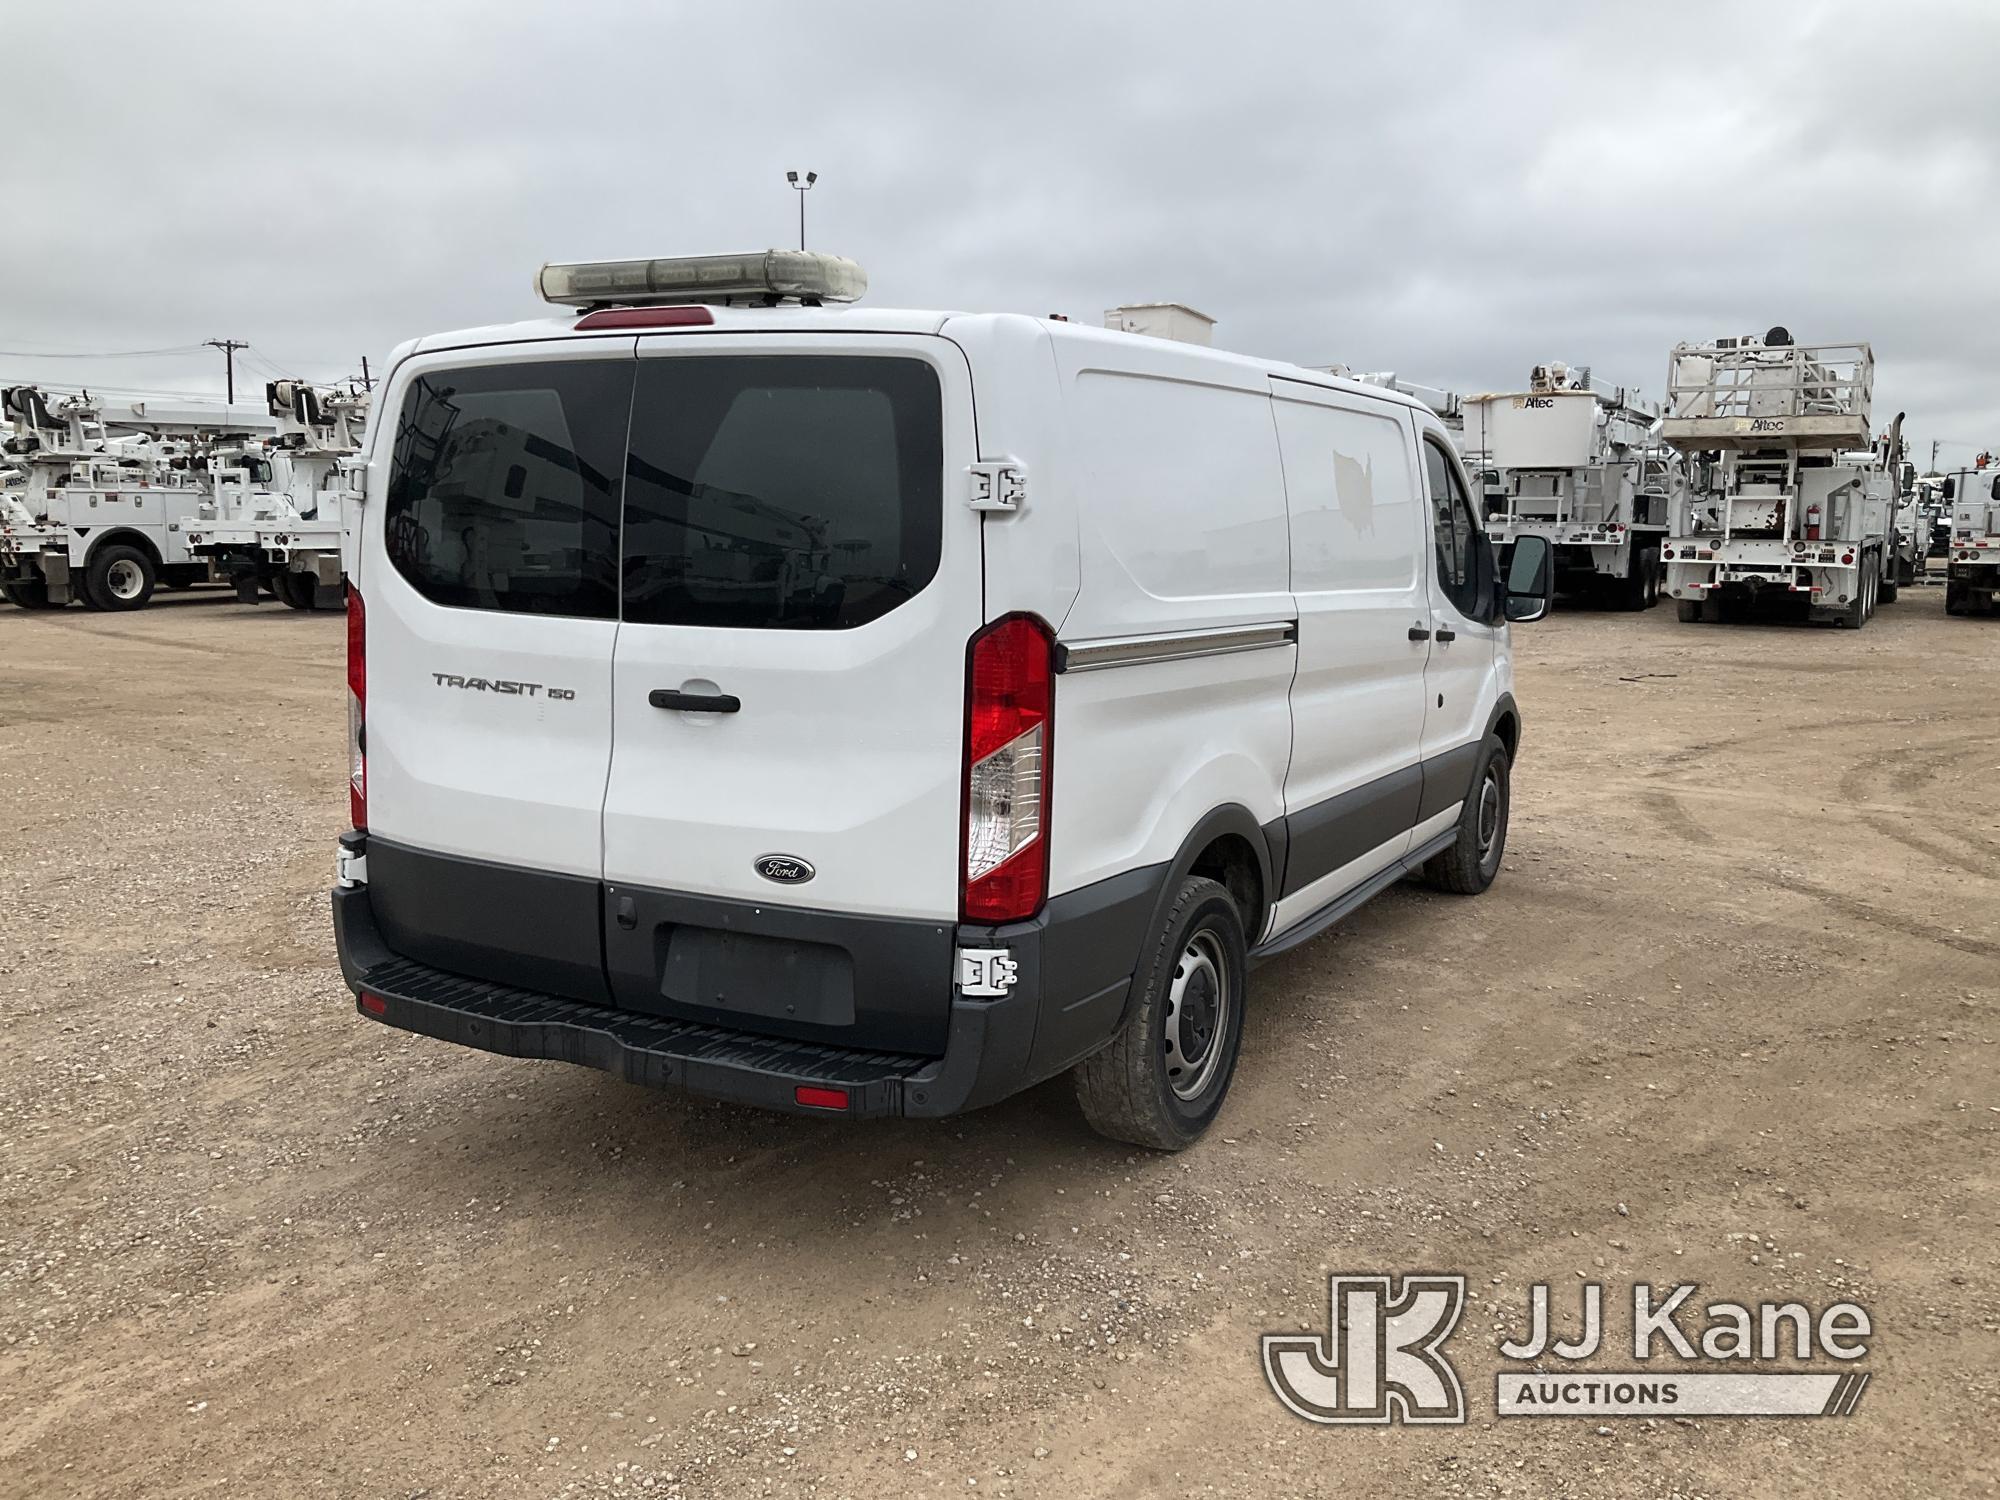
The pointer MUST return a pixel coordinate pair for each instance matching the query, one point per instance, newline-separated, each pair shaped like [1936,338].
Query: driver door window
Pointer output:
[1455,533]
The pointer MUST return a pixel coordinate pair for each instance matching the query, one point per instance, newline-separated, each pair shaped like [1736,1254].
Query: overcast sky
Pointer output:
[1451,191]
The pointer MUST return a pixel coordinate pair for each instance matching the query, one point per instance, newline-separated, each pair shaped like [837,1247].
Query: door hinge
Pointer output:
[998,484]
[986,971]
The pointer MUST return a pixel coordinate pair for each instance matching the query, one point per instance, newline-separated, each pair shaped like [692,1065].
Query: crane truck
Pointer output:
[272,519]
[1972,555]
[100,511]
[1583,468]
[1787,500]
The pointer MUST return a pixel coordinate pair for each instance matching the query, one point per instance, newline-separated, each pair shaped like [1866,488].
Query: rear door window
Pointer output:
[789,492]
[503,493]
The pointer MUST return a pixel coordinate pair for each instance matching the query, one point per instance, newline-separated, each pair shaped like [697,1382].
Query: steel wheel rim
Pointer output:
[1489,813]
[124,579]
[1199,1005]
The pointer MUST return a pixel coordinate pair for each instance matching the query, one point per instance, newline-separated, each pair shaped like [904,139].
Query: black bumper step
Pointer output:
[648,1050]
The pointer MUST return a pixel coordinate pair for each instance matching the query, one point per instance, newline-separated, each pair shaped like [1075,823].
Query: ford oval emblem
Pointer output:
[786,869]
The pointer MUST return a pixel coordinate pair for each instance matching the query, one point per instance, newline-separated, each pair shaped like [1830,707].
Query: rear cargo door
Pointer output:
[489,555]
[800,577]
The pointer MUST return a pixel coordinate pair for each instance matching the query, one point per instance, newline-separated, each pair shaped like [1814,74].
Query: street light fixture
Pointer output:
[802,188]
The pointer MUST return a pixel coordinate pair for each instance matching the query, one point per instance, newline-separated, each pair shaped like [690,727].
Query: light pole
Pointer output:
[802,188]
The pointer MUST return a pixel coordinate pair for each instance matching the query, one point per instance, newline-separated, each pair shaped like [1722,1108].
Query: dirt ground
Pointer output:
[1728,1017]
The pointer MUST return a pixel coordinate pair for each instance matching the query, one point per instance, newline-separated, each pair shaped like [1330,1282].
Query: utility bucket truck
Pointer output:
[1788,499]
[1582,468]
[102,509]
[1972,558]
[272,519]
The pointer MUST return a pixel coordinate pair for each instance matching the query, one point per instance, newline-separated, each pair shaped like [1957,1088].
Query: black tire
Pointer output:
[294,590]
[30,594]
[120,578]
[1689,611]
[1469,865]
[1192,979]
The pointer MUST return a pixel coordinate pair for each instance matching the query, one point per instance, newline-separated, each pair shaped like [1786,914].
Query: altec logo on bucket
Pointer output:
[1383,1358]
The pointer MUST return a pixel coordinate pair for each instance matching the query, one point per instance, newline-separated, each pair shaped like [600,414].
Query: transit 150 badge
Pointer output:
[1382,1359]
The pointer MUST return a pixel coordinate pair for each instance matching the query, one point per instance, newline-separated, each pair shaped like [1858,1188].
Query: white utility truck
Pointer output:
[859,711]
[1583,468]
[1449,406]
[1972,556]
[272,519]
[102,508]
[1787,499]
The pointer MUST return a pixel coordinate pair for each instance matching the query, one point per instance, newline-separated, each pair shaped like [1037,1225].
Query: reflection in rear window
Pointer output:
[504,491]
[781,492]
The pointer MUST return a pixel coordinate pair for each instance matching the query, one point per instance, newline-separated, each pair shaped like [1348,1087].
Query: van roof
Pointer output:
[854,318]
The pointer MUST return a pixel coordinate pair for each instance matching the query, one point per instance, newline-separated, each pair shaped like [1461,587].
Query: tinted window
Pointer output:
[781,492]
[1453,528]
[504,490]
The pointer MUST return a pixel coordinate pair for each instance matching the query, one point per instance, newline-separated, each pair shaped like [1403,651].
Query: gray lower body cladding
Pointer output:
[730,999]
[752,1001]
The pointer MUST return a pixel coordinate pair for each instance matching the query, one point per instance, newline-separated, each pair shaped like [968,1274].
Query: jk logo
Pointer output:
[1382,1361]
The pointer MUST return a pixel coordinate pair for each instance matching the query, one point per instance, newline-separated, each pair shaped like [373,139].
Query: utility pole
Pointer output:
[229,348]
[367,383]
[1934,449]
[802,188]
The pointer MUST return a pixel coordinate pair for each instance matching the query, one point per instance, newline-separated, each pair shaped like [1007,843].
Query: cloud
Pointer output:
[1454,191]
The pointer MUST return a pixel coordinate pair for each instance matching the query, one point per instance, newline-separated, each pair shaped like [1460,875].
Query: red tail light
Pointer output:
[357,709]
[1009,737]
[816,1098]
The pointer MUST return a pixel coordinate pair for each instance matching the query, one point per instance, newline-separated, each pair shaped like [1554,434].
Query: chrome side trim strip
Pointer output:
[1129,650]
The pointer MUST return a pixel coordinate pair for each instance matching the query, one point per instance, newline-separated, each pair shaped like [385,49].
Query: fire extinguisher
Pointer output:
[1812,522]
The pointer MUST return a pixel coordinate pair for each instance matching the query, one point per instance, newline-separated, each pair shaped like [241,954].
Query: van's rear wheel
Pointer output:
[1470,864]
[1163,1077]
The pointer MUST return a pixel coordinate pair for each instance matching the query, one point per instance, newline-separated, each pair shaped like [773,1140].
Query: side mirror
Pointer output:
[1951,489]
[1531,579]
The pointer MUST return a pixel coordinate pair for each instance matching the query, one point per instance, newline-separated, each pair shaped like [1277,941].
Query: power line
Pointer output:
[108,354]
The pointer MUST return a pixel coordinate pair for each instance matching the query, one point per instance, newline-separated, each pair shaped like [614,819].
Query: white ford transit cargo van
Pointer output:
[876,712]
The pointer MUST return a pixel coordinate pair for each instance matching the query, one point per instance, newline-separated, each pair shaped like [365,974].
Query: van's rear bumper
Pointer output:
[994,1047]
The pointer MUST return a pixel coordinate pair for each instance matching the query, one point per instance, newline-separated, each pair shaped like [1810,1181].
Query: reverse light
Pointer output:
[764,275]
[357,710]
[1009,729]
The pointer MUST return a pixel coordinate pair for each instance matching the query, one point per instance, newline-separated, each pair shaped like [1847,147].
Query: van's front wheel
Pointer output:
[1470,864]
[1163,1077]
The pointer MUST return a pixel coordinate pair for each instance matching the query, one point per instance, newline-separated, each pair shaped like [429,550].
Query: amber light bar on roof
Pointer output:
[765,275]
